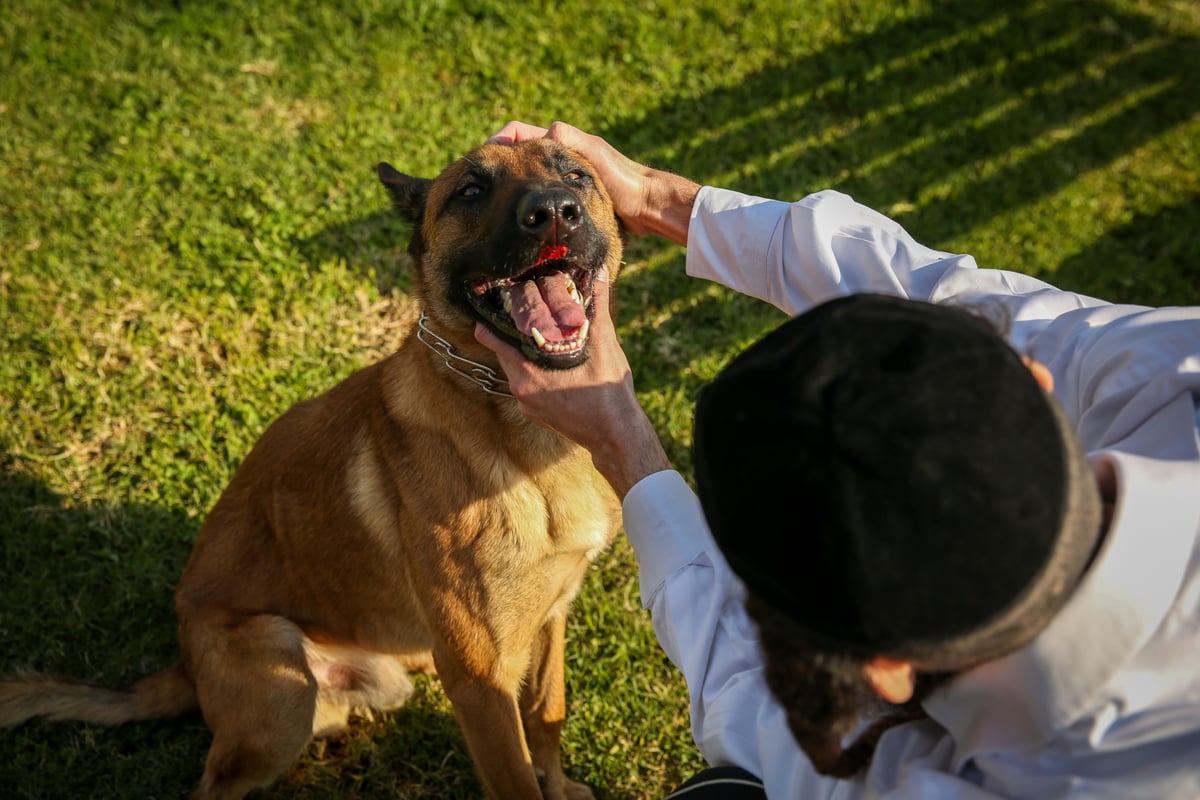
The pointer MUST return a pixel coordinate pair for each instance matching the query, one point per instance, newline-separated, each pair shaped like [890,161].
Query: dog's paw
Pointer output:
[567,790]
[578,791]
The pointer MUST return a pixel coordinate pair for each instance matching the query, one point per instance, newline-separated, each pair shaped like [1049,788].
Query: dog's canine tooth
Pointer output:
[537,337]
[583,330]
[507,298]
[573,290]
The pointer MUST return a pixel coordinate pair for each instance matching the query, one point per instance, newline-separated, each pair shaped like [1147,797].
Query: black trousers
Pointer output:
[721,783]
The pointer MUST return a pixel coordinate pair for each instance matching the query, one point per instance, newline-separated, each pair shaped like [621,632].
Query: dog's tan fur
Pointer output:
[403,520]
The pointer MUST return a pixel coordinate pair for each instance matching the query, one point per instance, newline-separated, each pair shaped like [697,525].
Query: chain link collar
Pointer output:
[480,374]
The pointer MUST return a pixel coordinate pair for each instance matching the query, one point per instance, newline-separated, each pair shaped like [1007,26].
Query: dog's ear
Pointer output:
[408,193]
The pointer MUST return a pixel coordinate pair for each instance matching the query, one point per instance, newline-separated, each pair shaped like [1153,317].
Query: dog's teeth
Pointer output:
[583,330]
[573,290]
[537,337]
[507,297]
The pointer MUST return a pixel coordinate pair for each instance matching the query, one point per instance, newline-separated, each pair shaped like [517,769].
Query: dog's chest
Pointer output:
[470,493]
[566,507]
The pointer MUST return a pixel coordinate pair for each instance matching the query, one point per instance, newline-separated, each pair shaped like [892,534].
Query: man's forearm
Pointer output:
[626,458]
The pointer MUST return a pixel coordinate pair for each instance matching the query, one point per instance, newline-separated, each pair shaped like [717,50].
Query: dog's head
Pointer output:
[513,235]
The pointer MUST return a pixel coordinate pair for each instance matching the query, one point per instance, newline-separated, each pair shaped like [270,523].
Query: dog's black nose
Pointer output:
[549,213]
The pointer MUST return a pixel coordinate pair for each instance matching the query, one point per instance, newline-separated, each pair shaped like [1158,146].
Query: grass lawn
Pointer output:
[192,238]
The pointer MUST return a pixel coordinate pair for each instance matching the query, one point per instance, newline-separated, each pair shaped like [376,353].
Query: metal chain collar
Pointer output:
[481,374]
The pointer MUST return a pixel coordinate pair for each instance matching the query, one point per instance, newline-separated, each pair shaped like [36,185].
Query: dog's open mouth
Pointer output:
[544,308]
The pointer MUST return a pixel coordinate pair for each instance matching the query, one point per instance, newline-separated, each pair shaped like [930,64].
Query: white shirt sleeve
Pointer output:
[1127,375]
[1114,366]
[696,605]
[797,255]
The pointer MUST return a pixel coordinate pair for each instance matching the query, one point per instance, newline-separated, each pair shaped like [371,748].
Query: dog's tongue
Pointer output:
[546,304]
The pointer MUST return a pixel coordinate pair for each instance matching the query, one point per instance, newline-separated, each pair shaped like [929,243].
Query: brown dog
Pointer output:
[410,517]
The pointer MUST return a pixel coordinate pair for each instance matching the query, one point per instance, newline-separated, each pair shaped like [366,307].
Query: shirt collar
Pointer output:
[1021,699]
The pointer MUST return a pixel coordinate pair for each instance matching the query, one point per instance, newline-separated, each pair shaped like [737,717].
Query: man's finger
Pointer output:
[488,338]
[511,361]
[516,131]
[565,134]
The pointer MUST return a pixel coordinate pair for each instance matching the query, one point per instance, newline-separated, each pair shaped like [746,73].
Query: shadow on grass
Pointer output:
[416,753]
[86,593]
[1151,260]
[945,121]
[90,585]
[374,245]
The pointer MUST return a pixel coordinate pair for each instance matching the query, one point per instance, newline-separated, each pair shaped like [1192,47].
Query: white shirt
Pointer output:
[1103,703]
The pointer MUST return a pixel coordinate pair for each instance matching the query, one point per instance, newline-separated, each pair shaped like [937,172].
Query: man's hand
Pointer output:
[647,200]
[593,404]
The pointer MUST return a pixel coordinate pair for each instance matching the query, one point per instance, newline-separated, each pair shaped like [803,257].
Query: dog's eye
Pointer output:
[470,190]
[575,176]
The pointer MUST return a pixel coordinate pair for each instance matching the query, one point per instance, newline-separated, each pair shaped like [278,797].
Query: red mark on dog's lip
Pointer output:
[551,253]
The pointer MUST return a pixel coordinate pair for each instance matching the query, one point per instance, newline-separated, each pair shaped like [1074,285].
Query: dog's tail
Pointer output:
[166,693]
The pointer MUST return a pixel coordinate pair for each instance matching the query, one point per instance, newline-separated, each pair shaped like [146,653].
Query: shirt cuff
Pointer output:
[666,526]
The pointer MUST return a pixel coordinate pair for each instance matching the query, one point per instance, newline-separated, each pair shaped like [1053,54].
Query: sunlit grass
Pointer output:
[192,238]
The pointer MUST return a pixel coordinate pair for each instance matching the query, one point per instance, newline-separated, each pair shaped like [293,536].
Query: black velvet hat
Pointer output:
[889,476]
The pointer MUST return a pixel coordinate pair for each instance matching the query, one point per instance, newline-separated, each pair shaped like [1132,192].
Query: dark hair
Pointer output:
[826,695]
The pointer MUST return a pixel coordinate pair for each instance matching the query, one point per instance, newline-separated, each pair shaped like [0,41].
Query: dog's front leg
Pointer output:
[485,705]
[543,709]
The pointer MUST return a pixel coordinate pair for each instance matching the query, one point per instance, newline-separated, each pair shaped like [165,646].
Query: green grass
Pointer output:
[192,238]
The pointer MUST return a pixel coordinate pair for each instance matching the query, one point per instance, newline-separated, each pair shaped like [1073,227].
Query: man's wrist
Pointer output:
[668,204]
[626,460]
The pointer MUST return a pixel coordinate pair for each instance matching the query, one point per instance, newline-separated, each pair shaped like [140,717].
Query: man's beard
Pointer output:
[827,697]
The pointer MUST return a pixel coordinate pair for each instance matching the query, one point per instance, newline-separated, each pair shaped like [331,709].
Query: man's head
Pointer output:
[889,480]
